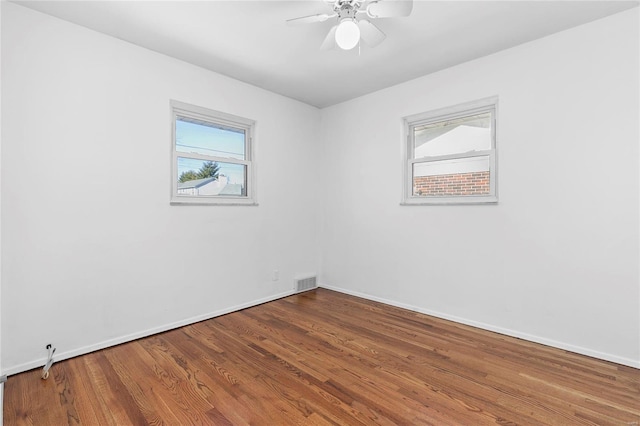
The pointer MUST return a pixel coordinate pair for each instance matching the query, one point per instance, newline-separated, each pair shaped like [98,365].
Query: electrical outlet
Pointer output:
[276,275]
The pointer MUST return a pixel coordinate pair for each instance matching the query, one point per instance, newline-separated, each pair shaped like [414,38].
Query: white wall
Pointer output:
[556,261]
[86,261]
[2,2]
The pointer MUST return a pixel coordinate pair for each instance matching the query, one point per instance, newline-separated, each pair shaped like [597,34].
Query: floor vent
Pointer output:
[304,284]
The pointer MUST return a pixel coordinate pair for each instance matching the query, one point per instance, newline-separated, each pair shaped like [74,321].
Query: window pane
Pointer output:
[209,139]
[459,177]
[472,133]
[206,178]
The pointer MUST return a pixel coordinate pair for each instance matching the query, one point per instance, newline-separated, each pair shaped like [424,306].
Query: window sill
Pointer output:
[432,201]
[215,202]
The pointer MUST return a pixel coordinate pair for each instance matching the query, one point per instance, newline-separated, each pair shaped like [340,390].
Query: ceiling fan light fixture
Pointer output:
[347,34]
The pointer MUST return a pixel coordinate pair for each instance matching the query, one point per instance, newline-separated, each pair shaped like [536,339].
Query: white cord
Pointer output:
[47,366]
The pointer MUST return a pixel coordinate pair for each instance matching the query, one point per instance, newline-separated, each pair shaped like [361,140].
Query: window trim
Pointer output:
[489,104]
[232,122]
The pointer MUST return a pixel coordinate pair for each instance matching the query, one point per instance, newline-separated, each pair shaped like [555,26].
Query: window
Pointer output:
[451,155]
[212,157]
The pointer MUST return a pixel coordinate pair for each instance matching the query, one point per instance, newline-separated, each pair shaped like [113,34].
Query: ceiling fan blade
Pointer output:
[310,19]
[330,40]
[370,33]
[389,8]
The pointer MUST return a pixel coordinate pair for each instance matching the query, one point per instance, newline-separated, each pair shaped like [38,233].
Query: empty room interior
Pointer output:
[320,212]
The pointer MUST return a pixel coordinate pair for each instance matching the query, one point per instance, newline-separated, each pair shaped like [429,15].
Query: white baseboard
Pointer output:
[508,332]
[133,336]
[127,338]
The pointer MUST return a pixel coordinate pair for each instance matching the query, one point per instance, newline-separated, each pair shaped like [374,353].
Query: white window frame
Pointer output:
[180,109]
[448,113]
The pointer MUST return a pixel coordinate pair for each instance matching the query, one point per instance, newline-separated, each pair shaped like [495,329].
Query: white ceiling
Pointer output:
[249,40]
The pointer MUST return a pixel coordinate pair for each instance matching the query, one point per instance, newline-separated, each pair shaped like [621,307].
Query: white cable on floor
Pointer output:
[47,366]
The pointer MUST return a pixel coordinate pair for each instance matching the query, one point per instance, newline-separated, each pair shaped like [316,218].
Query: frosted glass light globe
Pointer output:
[347,34]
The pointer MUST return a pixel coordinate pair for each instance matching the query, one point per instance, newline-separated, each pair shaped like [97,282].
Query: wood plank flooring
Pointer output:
[325,358]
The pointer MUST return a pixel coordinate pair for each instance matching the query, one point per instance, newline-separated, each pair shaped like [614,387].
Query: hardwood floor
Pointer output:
[325,358]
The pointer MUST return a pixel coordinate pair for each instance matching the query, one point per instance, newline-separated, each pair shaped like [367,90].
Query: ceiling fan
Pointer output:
[352,24]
